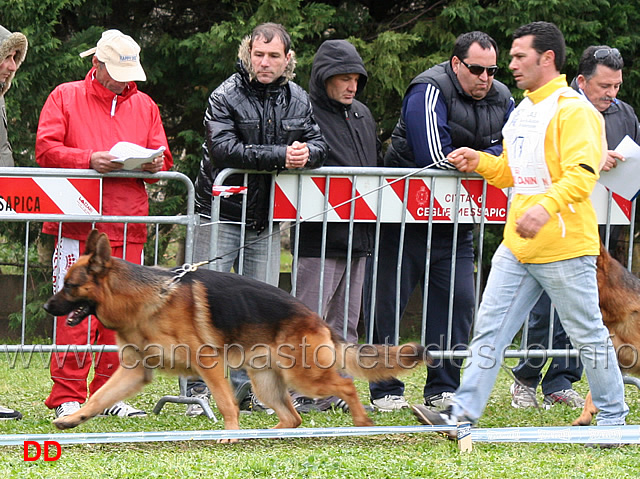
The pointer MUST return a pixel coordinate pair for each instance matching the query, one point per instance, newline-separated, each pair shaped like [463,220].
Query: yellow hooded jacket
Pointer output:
[574,150]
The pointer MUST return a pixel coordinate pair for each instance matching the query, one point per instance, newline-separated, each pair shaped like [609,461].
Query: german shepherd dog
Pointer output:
[204,321]
[619,292]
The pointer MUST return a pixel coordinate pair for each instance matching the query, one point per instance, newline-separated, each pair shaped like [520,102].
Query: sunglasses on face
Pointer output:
[479,69]
[603,53]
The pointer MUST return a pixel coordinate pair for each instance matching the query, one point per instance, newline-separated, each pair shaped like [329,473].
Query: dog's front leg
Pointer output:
[587,413]
[124,383]
[218,384]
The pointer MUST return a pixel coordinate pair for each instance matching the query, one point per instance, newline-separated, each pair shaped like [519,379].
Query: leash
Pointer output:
[184,269]
[191,267]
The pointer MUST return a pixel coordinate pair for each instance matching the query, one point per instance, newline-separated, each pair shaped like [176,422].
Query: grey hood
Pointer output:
[334,57]
[8,43]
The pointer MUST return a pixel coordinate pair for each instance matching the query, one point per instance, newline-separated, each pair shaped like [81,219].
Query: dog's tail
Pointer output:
[378,362]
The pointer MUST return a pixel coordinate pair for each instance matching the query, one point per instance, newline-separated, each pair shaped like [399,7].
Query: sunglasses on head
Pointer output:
[603,53]
[479,69]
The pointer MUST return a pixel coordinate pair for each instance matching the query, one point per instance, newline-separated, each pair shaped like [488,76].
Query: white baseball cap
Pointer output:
[120,54]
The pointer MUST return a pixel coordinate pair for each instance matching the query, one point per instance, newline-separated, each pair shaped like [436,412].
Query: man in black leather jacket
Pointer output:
[257,119]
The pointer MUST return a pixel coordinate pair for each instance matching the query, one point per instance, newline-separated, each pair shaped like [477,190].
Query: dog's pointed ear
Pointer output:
[100,260]
[92,241]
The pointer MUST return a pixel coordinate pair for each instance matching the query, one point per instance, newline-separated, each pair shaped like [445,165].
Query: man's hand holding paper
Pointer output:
[622,178]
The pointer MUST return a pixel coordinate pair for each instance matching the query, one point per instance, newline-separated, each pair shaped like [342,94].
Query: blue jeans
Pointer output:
[261,254]
[563,371]
[512,290]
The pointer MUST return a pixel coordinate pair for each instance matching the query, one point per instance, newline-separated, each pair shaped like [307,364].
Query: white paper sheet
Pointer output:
[624,179]
[132,156]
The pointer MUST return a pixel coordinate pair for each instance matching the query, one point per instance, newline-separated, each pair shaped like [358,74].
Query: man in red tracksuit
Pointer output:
[79,123]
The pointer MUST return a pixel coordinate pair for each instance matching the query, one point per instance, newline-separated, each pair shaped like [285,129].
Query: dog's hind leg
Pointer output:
[124,383]
[327,382]
[271,389]
[587,413]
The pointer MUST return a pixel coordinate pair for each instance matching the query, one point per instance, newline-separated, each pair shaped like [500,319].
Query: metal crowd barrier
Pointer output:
[328,194]
[75,203]
[453,197]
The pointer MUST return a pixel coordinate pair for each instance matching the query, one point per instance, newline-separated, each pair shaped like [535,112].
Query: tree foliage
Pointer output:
[190,46]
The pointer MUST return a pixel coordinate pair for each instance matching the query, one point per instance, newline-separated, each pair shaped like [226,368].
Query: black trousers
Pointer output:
[444,376]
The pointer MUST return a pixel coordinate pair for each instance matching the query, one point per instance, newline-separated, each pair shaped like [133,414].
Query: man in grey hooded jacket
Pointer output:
[13,49]
[338,75]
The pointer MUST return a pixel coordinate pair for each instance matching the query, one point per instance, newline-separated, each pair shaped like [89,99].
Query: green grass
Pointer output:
[392,456]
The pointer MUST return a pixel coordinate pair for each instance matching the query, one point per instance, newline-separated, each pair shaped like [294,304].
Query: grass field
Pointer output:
[384,456]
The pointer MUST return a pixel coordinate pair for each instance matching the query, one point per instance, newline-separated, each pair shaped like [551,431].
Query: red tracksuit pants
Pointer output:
[70,370]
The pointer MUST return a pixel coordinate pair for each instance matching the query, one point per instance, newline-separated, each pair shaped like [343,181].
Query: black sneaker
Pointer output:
[6,413]
[431,417]
[258,406]
[332,403]
[242,392]
[200,392]
[304,404]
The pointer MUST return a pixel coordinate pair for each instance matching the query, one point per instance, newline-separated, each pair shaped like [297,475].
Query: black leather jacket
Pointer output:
[248,125]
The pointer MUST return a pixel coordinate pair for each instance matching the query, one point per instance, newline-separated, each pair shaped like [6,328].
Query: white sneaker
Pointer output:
[122,409]
[440,401]
[67,408]
[523,396]
[390,403]
[568,397]
[194,410]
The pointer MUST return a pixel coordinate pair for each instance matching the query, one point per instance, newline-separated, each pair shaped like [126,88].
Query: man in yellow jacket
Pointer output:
[553,146]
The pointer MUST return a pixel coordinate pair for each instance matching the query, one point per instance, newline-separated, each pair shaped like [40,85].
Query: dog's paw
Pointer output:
[581,422]
[364,422]
[227,441]
[63,423]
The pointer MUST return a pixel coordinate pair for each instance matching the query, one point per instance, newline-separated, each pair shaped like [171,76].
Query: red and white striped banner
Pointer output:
[225,191]
[48,195]
[620,207]
[469,198]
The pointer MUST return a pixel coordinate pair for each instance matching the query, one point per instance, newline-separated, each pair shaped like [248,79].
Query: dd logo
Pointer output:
[38,451]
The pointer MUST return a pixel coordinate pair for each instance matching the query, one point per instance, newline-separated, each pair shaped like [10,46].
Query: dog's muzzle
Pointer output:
[75,312]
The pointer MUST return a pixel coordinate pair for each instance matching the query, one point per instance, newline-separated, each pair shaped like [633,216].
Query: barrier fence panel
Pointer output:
[404,196]
[377,196]
[35,195]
